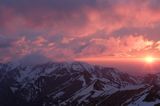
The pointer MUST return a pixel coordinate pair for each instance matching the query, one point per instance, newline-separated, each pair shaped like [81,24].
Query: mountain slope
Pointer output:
[72,84]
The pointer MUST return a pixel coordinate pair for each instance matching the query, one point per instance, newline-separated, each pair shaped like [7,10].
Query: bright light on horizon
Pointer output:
[146,59]
[150,59]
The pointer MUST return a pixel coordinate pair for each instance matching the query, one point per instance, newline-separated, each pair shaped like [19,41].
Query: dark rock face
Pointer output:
[74,84]
[153,94]
[118,98]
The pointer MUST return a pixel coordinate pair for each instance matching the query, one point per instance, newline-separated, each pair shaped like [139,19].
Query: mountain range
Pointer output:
[75,84]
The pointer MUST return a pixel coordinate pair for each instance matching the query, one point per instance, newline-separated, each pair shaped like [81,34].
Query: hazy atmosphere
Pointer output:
[79,52]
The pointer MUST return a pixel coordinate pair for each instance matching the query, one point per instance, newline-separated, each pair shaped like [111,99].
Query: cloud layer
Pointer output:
[69,29]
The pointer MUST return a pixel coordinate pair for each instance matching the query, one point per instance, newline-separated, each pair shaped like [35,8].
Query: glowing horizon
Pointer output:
[145,59]
[64,30]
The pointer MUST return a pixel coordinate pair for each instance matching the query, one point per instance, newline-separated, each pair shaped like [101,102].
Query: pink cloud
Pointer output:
[69,31]
[82,22]
[132,46]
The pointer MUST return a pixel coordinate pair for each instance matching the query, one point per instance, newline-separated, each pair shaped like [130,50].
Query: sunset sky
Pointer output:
[79,29]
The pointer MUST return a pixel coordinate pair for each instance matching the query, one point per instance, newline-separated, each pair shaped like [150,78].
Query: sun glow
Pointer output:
[149,59]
